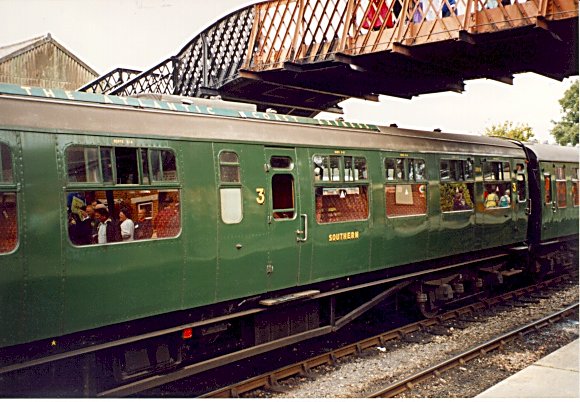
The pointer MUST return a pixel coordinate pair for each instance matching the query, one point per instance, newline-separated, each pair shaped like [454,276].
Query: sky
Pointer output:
[139,34]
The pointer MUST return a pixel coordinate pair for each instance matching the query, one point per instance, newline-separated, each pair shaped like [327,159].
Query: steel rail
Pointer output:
[408,383]
[271,379]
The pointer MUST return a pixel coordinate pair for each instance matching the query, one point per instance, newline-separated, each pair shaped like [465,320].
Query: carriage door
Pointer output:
[520,199]
[286,226]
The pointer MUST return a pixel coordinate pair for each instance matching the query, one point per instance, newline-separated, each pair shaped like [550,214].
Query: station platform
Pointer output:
[554,376]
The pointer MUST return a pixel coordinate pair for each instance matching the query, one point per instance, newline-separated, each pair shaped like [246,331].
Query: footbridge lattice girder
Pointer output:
[305,56]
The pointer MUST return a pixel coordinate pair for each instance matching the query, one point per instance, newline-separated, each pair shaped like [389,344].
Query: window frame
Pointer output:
[341,183]
[11,187]
[575,182]
[466,161]
[230,185]
[409,163]
[505,166]
[141,180]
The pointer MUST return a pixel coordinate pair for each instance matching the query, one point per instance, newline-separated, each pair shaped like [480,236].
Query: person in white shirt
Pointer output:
[127,225]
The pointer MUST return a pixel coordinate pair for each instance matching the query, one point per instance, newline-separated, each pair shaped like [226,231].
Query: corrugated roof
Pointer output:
[10,51]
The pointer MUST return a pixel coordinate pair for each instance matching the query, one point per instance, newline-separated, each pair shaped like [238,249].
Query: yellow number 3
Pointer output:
[261,197]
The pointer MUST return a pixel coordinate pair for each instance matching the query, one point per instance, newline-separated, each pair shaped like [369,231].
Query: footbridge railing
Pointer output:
[307,31]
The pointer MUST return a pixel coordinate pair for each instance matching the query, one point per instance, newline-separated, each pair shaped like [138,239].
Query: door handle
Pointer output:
[303,232]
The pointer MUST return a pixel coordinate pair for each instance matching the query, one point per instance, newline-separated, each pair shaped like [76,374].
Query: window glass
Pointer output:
[334,168]
[283,196]
[231,205]
[496,194]
[157,174]
[229,157]
[390,169]
[445,169]
[360,169]
[547,189]
[8,222]
[127,166]
[456,170]
[348,169]
[507,174]
[492,171]
[169,165]
[575,187]
[145,166]
[468,169]
[561,173]
[134,215]
[341,204]
[417,170]
[106,165]
[456,197]
[406,199]
[281,162]
[561,193]
[6,164]
[521,186]
[82,164]
[229,167]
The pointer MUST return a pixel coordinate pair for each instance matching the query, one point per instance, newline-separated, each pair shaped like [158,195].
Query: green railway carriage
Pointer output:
[259,222]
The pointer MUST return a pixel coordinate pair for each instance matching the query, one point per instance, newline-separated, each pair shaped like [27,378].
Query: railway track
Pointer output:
[460,359]
[303,368]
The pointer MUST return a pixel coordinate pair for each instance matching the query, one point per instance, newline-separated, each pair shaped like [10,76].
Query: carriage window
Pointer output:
[521,186]
[231,205]
[281,162]
[341,204]
[395,169]
[547,188]
[145,166]
[355,169]
[83,164]
[230,188]
[497,185]
[456,187]
[8,222]
[506,171]
[561,186]
[417,170]
[115,216]
[163,166]
[229,167]
[406,199]
[127,166]
[283,196]
[575,195]
[492,171]
[5,164]
[106,165]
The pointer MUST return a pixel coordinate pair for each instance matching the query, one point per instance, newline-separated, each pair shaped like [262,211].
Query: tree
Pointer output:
[507,129]
[566,130]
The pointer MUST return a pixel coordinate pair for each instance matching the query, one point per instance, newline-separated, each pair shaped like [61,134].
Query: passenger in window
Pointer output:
[80,228]
[459,202]
[93,221]
[167,220]
[108,231]
[505,200]
[127,226]
[143,227]
[492,199]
